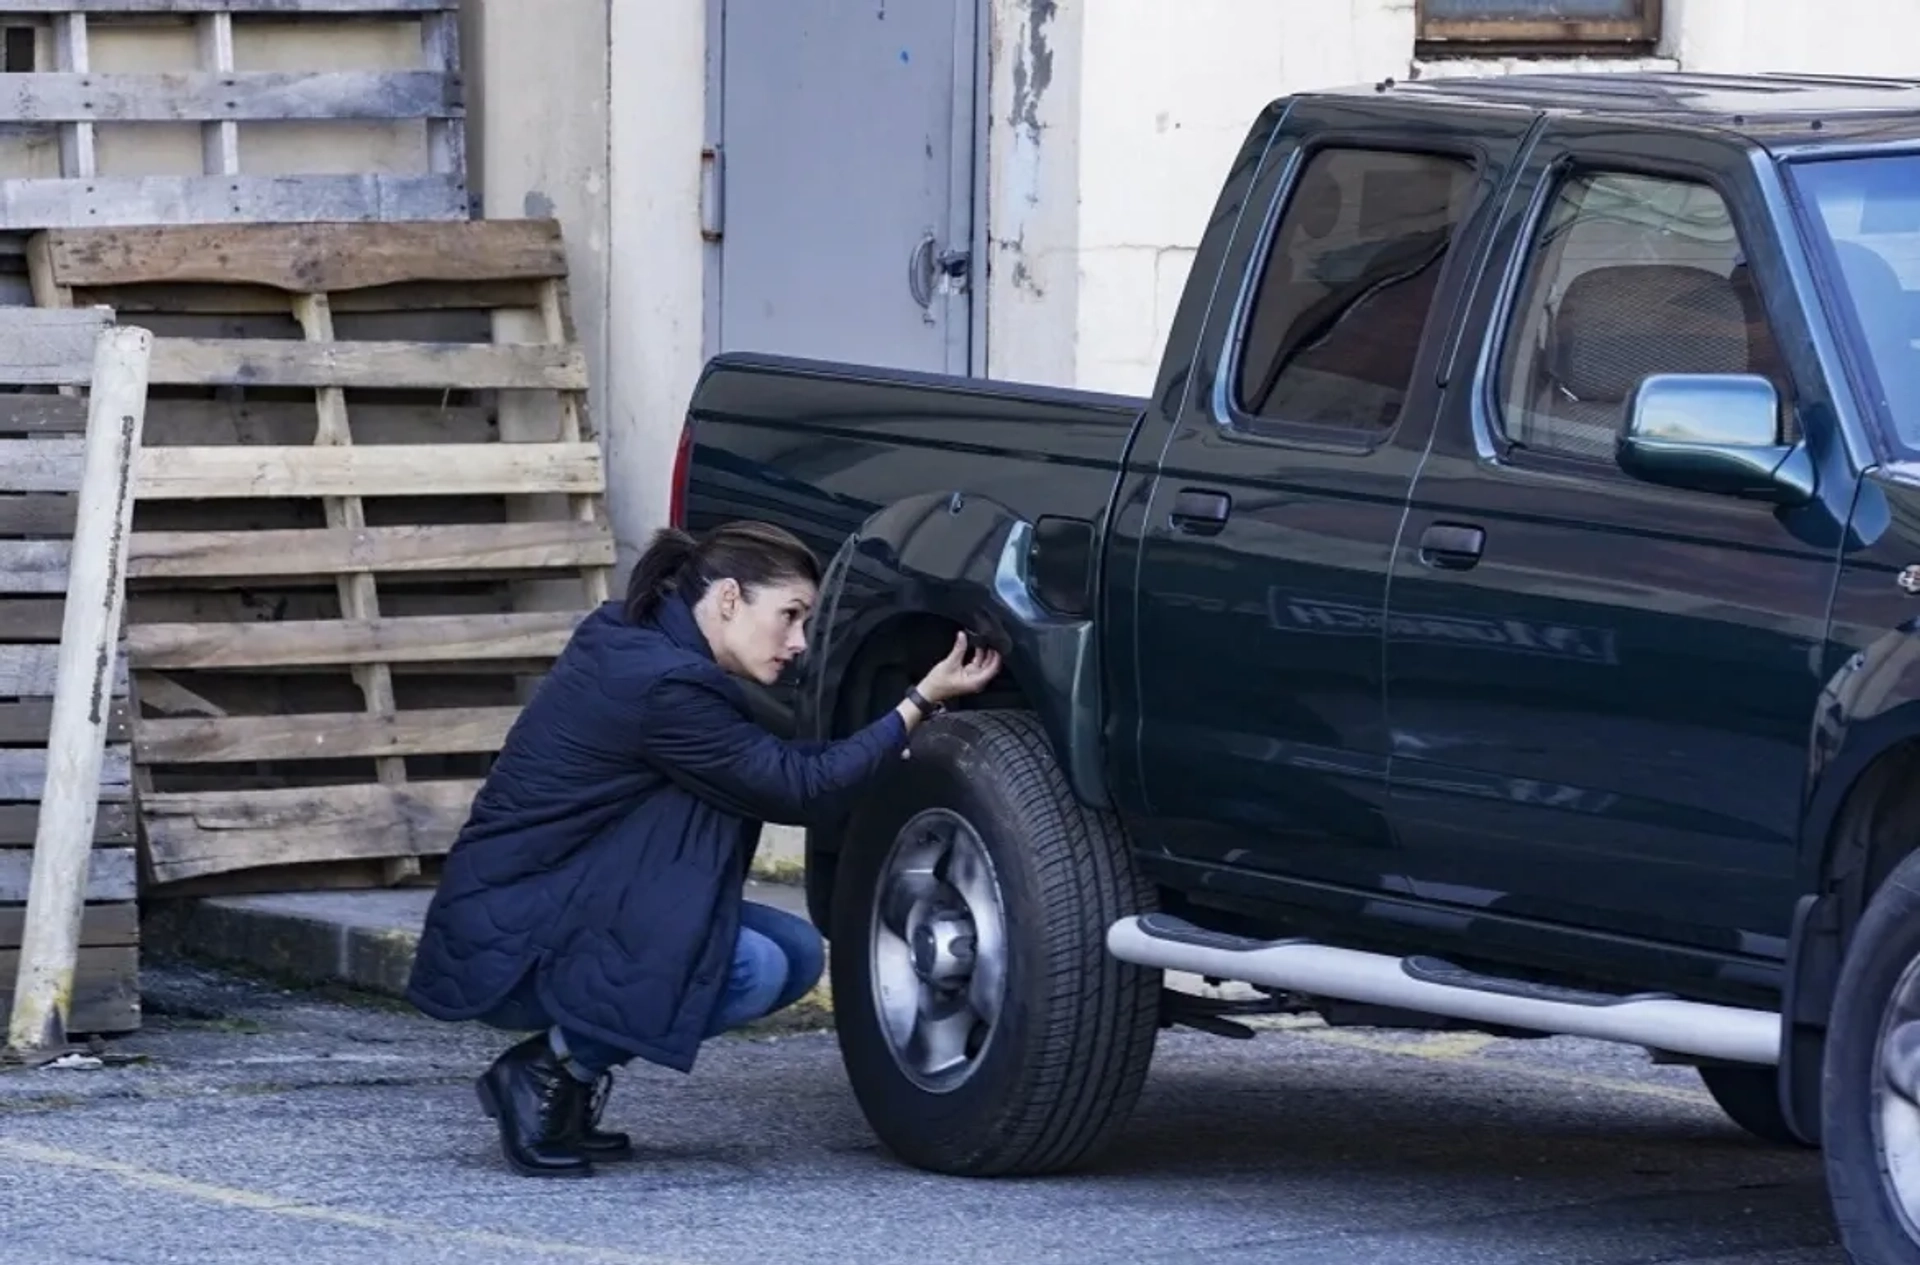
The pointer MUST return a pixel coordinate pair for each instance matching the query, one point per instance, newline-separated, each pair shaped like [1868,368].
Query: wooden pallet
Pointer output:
[238,170]
[344,559]
[41,438]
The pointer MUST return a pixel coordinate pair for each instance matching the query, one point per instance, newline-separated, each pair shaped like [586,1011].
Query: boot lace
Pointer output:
[597,1097]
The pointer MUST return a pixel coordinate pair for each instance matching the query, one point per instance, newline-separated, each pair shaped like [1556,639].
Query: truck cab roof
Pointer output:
[1779,112]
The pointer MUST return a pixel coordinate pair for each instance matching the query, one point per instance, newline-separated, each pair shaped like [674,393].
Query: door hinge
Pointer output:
[712,193]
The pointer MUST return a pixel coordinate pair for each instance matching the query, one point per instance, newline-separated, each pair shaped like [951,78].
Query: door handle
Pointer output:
[922,271]
[1452,546]
[1201,513]
[928,263]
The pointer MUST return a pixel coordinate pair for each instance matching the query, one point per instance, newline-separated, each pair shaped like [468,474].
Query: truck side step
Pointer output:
[1435,987]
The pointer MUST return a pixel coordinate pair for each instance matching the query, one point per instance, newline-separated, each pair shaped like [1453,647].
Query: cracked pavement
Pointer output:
[269,1125]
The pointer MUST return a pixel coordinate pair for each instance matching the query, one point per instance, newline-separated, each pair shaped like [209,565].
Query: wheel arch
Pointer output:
[892,599]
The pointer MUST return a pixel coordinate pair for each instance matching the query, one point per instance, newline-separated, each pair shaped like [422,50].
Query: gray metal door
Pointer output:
[842,193]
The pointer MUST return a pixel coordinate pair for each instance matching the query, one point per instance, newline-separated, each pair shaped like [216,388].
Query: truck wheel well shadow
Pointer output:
[892,658]
[896,655]
[1878,828]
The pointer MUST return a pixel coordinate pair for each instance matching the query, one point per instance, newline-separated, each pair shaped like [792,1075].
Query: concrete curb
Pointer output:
[364,940]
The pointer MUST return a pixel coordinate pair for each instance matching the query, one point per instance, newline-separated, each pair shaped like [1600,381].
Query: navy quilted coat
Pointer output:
[608,848]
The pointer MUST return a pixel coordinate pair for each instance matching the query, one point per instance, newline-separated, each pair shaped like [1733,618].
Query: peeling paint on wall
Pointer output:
[1032,74]
[1033,67]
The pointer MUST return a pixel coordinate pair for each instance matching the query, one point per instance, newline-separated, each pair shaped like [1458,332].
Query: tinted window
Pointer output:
[1629,276]
[1347,286]
[1869,211]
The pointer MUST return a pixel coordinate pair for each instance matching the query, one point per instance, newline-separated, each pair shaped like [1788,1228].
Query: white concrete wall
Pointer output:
[593,111]
[656,287]
[538,133]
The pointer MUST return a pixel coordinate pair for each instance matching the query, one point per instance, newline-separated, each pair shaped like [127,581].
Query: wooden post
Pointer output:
[82,692]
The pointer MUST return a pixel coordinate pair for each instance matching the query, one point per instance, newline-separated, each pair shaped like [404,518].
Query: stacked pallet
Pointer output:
[352,556]
[41,443]
[369,126]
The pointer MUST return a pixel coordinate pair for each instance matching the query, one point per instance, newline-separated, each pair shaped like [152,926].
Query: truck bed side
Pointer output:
[920,491]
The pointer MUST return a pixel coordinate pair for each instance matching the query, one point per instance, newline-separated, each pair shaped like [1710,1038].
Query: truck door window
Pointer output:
[1343,298]
[1627,276]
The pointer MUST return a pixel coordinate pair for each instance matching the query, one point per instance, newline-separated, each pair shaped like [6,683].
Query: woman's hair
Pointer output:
[753,554]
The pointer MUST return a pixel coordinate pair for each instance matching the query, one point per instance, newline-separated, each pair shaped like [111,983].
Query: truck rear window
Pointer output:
[1348,281]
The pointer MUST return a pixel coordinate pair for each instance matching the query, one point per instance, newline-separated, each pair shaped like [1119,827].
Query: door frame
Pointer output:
[966,340]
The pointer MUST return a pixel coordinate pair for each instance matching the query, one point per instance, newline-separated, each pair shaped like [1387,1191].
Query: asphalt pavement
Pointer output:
[264,1125]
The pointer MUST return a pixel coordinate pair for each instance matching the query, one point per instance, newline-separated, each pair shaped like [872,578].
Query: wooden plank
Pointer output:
[440,51]
[310,257]
[202,473]
[270,422]
[280,8]
[219,141]
[188,298]
[27,721]
[214,832]
[557,327]
[71,55]
[112,873]
[322,876]
[24,619]
[46,464]
[23,773]
[275,362]
[477,547]
[34,415]
[307,643]
[199,96]
[28,671]
[113,827]
[41,347]
[29,203]
[439,731]
[38,514]
[101,926]
[359,593]
[106,984]
[34,566]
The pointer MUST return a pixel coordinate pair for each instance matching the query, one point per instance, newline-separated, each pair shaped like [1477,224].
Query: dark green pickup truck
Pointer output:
[1501,615]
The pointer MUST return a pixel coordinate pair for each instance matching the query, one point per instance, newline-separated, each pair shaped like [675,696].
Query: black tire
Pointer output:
[1751,1098]
[1884,947]
[1068,1054]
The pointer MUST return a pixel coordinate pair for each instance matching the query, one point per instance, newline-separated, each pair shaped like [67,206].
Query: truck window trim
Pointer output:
[1489,414]
[1237,424]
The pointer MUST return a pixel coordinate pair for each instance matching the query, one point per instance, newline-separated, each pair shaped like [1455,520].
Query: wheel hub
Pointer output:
[1896,1093]
[938,953]
[943,949]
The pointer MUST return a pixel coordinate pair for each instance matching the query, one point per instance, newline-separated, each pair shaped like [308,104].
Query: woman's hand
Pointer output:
[960,673]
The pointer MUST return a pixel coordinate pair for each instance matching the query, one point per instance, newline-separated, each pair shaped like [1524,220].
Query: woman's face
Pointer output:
[756,633]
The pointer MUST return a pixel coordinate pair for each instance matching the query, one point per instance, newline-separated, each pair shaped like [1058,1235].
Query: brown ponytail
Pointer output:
[753,554]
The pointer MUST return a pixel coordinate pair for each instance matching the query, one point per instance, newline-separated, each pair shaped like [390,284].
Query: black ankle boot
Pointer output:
[539,1106]
[595,1142]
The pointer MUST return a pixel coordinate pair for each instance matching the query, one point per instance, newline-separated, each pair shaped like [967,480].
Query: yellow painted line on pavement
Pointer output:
[1467,1046]
[273,1205]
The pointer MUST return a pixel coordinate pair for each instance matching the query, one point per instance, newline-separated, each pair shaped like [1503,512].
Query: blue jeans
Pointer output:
[777,960]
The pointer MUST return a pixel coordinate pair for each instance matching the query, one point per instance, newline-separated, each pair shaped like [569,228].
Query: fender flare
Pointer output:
[961,559]
[1870,706]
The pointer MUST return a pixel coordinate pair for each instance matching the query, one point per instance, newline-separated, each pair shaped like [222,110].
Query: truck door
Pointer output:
[1249,562]
[1600,690]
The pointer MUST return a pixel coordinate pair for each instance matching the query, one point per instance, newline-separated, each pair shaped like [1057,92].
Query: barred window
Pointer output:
[1539,21]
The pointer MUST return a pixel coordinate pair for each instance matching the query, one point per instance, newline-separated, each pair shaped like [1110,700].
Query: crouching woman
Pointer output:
[594,895]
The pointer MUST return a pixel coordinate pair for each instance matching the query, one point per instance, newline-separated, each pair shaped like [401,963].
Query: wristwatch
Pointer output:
[919,700]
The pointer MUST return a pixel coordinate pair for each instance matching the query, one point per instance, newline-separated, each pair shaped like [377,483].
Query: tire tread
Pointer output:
[1102,1016]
